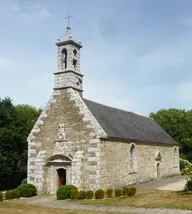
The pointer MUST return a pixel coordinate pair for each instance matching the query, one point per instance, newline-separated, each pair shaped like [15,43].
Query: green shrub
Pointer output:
[132,191]
[16,193]
[81,195]
[1,196]
[185,167]
[27,190]
[109,193]
[24,181]
[184,164]
[187,170]
[90,194]
[188,185]
[64,192]
[74,193]
[118,192]
[9,195]
[125,191]
[99,194]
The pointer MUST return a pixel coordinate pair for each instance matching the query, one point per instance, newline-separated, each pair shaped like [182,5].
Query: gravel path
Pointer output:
[173,184]
[53,203]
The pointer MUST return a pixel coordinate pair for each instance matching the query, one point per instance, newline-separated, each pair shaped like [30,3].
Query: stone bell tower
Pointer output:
[68,73]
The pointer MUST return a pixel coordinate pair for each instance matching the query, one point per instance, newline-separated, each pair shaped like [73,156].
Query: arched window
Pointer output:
[64,58]
[175,156]
[132,156]
[75,52]
[74,64]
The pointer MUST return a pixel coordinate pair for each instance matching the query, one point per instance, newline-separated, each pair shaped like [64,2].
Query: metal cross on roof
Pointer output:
[68,17]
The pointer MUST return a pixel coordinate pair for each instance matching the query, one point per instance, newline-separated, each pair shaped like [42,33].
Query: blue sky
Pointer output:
[136,55]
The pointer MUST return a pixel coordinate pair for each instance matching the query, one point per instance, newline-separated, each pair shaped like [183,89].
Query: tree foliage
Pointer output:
[15,124]
[178,124]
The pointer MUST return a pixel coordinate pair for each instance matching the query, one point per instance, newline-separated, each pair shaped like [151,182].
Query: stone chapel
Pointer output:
[90,145]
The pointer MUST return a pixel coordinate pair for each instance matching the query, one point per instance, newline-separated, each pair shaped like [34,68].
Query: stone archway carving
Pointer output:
[53,164]
[58,159]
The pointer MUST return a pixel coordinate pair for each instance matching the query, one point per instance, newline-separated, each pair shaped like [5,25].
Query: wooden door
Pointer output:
[61,177]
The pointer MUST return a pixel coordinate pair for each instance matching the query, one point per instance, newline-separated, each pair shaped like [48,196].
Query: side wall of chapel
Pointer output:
[120,167]
[65,116]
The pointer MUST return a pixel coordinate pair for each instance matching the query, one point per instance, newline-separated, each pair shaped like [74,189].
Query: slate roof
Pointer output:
[120,124]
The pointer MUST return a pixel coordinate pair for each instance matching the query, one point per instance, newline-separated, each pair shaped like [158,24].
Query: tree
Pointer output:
[15,124]
[178,124]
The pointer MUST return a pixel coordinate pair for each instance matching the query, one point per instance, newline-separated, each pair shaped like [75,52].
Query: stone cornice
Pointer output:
[69,71]
[66,87]
[70,41]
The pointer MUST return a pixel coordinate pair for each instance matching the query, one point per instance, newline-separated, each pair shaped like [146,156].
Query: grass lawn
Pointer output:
[148,199]
[11,207]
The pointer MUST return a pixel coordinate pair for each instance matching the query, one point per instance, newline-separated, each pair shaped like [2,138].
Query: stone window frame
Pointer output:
[64,52]
[158,161]
[133,158]
[175,157]
[158,156]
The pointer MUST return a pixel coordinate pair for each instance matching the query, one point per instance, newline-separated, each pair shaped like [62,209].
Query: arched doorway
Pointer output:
[61,177]
[58,172]
[158,171]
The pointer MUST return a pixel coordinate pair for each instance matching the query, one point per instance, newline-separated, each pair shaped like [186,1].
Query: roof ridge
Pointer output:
[118,109]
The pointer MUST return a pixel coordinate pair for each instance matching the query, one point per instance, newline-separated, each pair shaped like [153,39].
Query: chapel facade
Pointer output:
[90,145]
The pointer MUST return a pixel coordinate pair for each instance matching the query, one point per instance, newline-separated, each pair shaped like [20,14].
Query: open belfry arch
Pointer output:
[90,145]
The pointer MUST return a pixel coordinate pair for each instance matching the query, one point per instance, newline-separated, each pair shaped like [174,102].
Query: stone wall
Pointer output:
[66,128]
[67,136]
[70,79]
[116,162]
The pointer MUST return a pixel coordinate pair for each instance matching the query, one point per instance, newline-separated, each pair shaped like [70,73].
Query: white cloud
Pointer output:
[15,8]
[131,95]
[160,59]
[34,16]
[32,12]
[34,7]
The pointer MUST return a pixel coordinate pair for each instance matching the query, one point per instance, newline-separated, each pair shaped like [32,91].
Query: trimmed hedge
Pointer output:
[9,195]
[188,185]
[81,195]
[1,196]
[74,193]
[125,191]
[27,190]
[118,192]
[132,191]
[64,192]
[16,193]
[109,193]
[89,194]
[99,194]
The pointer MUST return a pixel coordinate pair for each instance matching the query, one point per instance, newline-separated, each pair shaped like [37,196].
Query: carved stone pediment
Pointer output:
[61,136]
[62,147]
